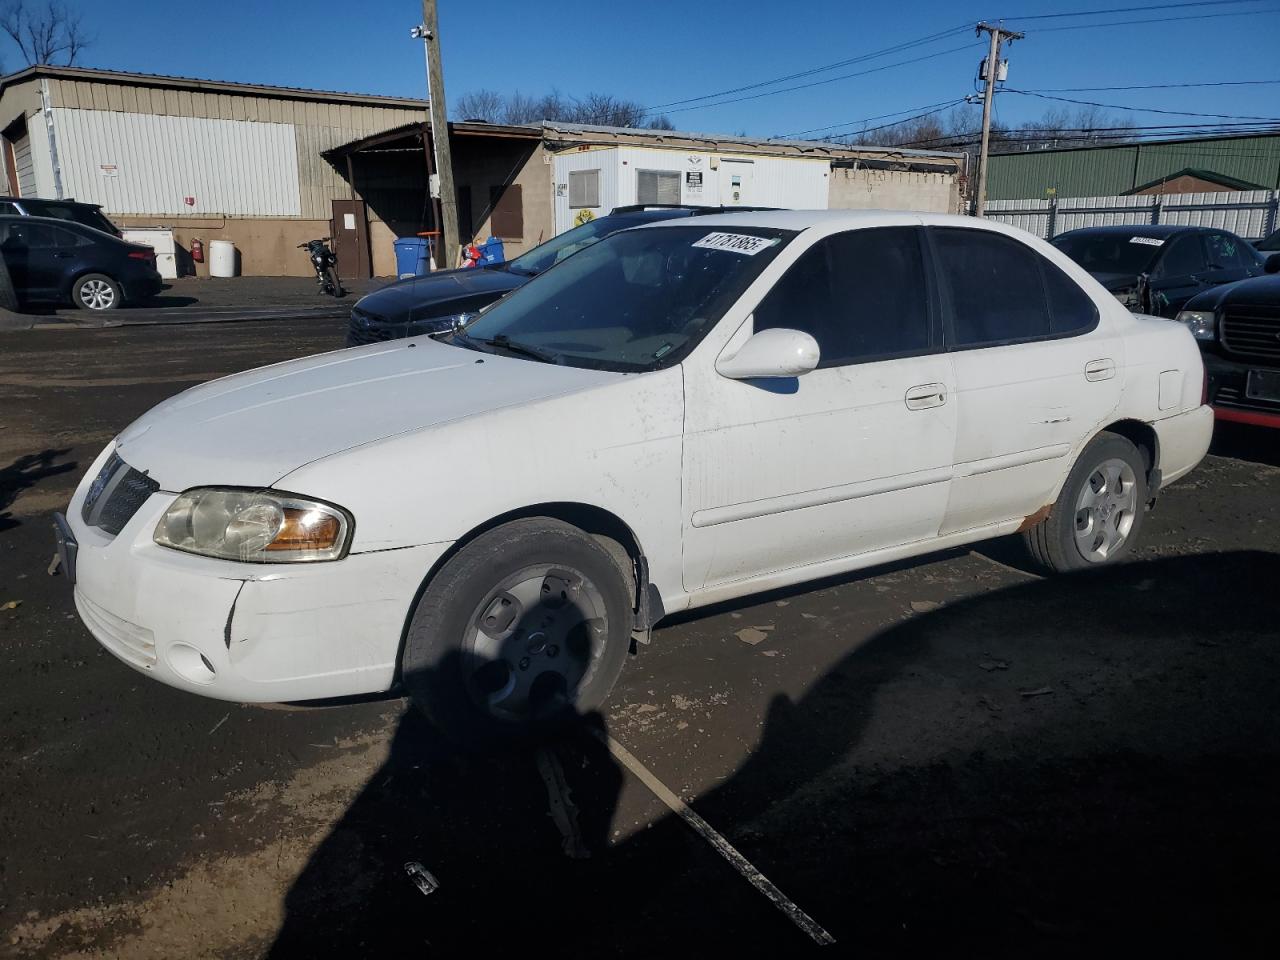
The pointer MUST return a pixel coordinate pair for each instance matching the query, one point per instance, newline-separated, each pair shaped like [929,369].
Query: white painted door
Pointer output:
[1034,377]
[851,457]
[736,182]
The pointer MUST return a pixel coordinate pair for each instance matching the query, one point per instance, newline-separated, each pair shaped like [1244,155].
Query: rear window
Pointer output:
[1111,252]
[89,216]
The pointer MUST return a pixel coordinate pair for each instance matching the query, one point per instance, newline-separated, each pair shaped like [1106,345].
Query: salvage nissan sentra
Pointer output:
[680,414]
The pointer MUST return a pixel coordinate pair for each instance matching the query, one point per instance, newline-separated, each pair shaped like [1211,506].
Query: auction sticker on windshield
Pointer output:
[736,243]
[1149,241]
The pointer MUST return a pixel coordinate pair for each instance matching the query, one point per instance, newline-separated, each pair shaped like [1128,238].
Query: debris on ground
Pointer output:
[925,606]
[421,877]
[1037,692]
[989,665]
[754,635]
[11,605]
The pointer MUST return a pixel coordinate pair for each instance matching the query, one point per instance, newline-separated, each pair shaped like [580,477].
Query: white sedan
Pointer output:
[681,414]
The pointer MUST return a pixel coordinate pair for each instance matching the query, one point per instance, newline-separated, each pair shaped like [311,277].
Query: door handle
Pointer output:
[1103,369]
[926,395]
[62,256]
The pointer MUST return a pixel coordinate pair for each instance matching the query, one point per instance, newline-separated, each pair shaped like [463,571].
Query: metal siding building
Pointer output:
[1106,171]
[211,160]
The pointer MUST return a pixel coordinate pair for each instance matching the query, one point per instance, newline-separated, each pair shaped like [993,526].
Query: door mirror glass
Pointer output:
[777,352]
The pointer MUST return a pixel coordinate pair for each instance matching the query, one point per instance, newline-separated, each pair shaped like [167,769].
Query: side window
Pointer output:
[862,295]
[1071,310]
[1184,257]
[996,292]
[9,210]
[584,188]
[1229,253]
[68,238]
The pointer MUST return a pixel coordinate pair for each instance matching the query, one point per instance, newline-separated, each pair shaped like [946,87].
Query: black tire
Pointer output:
[332,285]
[96,292]
[1062,541]
[456,683]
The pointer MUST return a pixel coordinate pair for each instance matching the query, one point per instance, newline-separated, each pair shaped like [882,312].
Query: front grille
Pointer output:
[359,336]
[1252,332]
[128,641]
[115,496]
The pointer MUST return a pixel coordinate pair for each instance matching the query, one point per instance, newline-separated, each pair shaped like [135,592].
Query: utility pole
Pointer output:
[429,33]
[998,35]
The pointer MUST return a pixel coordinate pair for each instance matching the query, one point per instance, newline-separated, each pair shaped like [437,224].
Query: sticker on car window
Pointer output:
[1149,241]
[736,243]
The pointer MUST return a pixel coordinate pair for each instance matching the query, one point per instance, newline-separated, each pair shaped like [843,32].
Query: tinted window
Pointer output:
[9,210]
[1071,310]
[996,291]
[1228,252]
[33,236]
[1109,252]
[861,295]
[1184,256]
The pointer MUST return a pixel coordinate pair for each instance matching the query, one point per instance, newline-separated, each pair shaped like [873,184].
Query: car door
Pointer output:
[1034,374]
[1230,258]
[851,457]
[1179,274]
[31,248]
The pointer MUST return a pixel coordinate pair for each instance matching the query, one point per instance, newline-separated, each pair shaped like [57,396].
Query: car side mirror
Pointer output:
[777,352]
[1272,263]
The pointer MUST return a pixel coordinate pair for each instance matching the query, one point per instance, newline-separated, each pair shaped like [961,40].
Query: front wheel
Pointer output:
[96,291]
[332,285]
[524,628]
[1098,516]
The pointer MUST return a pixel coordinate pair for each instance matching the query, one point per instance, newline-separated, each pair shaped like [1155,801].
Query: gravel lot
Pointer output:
[949,755]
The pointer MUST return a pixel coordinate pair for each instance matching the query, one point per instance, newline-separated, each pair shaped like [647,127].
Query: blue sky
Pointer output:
[661,51]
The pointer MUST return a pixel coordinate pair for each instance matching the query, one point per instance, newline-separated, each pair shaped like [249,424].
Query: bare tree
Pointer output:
[602,109]
[44,35]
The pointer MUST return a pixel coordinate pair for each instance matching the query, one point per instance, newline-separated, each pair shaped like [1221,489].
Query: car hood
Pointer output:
[421,298]
[1256,291]
[253,428]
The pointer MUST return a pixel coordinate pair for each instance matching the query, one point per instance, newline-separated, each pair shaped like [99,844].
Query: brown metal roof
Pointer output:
[216,86]
[461,128]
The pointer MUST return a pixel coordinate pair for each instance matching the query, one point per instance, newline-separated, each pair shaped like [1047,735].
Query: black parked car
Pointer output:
[60,261]
[90,214]
[435,303]
[1238,326]
[1157,269]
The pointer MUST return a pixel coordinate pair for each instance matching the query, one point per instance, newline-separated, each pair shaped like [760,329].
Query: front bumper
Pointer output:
[1227,381]
[244,632]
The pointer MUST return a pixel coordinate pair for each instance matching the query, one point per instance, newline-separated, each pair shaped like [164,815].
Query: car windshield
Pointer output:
[637,300]
[1111,252]
[548,254]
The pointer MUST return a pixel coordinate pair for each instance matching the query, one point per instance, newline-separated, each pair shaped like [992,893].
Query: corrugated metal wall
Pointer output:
[315,125]
[22,164]
[1251,214]
[1114,170]
[138,163]
[606,161]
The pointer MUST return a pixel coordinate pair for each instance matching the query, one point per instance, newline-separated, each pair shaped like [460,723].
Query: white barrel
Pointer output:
[222,258]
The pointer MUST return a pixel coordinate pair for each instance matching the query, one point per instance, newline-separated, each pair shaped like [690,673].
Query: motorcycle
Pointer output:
[326,266]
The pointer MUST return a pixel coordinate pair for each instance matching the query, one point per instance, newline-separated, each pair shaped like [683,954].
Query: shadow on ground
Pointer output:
[24,473]
[1083,762]
[1244,442]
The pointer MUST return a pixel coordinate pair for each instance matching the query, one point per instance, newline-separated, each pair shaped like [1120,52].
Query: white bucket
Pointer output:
[222,258]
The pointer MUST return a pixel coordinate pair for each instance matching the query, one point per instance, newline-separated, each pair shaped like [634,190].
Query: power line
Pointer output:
[897,48]
[1113,10]
[968,47]
[931,108]
[1122,23]
[1156,86]
[1118,106]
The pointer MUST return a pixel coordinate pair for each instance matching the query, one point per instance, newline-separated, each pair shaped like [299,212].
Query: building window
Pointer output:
[507,212]
[658,186]
[584,188]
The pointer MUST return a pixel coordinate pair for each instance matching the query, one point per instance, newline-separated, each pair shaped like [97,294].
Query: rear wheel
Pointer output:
[524,628]
[1098,516]
[96,291]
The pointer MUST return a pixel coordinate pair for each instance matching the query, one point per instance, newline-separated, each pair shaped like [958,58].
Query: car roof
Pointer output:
[75,203]
[840,219]
[73,225]
[1140,230]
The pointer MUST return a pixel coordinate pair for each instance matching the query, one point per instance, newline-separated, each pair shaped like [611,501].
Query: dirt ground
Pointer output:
[952,755]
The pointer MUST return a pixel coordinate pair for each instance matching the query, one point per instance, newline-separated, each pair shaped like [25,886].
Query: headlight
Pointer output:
[254,526]
[1199,322]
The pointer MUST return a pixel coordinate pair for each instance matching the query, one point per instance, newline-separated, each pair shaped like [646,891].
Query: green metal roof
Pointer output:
[1111,170]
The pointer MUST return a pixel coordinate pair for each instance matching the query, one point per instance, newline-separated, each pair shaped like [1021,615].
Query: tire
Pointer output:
[1098,517]
[523,629]
[332,285]
[8,296]
[97,292]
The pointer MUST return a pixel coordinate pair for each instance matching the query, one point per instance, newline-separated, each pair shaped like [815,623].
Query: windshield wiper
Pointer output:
[503,342]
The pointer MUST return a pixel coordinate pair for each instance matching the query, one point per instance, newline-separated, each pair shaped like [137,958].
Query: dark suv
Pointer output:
[89,214]
[438,301]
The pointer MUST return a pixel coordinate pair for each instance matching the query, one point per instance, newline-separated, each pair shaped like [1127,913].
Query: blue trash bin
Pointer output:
[413,257]
[491,252]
